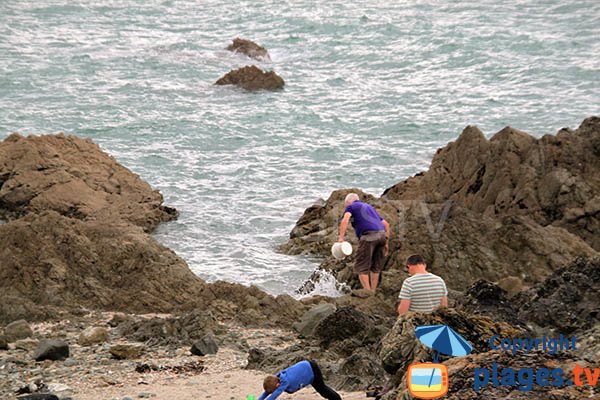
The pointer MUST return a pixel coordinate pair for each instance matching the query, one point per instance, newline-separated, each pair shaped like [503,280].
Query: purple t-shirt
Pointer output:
[364,218]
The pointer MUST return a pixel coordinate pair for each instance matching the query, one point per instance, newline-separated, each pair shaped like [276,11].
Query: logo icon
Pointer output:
[427,380]
[430,380]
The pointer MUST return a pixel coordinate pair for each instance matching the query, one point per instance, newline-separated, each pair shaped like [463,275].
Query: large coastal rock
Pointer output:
[566,302]
[249,48]
[76,237]
[58,262]
[75,178]
[251,77]
[511,207]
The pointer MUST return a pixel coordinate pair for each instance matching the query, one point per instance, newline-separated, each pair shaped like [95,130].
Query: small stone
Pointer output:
[93,335]
[58,387]
[17,330]
[204,346]
[126,351]
[146,395]
[70,362]
[3,343]
[38,396]
[26,344]
[51,350]
[117,319]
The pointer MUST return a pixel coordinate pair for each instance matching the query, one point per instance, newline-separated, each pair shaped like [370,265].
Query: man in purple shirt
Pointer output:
[294,378]
[373,234]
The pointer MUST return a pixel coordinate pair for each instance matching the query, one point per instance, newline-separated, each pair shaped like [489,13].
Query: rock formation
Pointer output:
[251,77]
[509,207]
[249,48]
[75,178]
[77,237]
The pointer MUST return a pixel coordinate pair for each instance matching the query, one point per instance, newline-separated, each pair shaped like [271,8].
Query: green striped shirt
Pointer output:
[425,292]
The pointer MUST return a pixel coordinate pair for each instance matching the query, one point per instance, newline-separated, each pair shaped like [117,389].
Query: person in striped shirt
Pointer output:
[422,291]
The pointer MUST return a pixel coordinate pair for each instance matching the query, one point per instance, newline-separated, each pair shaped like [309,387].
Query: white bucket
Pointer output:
[341,249]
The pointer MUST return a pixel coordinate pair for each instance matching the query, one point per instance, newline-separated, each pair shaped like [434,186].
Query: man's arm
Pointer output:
[403,306]
[444,302]
[263,396]
[344,226]
[277,392]
[386,225]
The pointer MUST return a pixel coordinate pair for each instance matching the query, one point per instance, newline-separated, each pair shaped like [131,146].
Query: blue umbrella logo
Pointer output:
[444,340]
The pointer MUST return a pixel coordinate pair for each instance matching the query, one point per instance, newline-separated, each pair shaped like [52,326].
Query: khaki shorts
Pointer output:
[369,256]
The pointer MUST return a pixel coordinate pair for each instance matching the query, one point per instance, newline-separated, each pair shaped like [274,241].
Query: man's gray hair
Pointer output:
[350,198]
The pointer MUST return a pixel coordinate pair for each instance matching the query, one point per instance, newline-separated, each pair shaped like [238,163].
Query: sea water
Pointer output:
[372,90]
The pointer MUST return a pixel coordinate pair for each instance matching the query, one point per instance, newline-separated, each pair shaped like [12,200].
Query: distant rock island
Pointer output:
[250,49]
[251,77]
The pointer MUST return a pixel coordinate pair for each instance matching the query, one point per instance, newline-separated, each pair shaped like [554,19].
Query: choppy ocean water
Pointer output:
[371,92]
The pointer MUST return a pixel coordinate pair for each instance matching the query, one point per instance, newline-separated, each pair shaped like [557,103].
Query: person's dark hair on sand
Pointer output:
[270,384]
[415,259]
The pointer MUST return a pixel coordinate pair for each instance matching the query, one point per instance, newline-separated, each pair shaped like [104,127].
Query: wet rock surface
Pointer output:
[251,77]
[249,48]
[566,302]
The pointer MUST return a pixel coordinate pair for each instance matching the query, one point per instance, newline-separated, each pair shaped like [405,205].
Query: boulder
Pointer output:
[54,261]
[489,299]
[54,350]
[76,179]
[251,77]
[93,335]
[126,351]
[566,302]
[27,344]
[204,346]
[312,318]
[344,323]
[38,396]
[17,330]
[249,48]
[3,343]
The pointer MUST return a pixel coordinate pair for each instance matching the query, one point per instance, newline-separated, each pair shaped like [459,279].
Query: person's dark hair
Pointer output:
[415,259]
[270,384]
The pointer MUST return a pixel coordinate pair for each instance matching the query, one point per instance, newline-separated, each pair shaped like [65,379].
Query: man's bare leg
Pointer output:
[365,281]
[374,278]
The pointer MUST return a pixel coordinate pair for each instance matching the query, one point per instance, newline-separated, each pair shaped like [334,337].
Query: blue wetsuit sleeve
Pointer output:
[276,393]
[263,396]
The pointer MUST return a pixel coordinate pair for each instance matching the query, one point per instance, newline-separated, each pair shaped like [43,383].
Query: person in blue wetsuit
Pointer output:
[294,378]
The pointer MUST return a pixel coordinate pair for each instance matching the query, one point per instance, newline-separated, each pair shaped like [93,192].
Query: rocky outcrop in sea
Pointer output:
[251,77]
[250,49]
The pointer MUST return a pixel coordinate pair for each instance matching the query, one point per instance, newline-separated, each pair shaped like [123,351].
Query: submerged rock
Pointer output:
[249,48]
[252,78]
